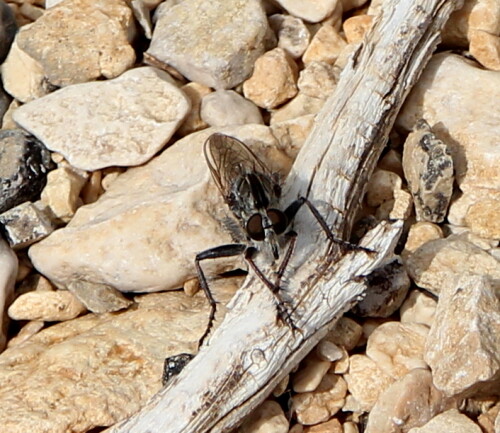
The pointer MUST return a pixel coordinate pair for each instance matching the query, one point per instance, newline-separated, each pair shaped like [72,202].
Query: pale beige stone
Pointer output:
[485,47]
[346,333]
[341,366]
[301,105]
[323,403]
[487,419]
[61,194]
[419,234]
[328,351]
[428,169]
[99,369]
[142,15]
[282,386]
[48,306]
[92,188]
[293,34]
[22,76]
[226,107]
[419,308]
[297,428]
[402,206]
[27,331]
[193,121]
[273,80]
[68,121]
[318,80]
[451,421]
[479,219]
[8,272]
[191,286]
[381,187]
[98,298]
[436,263]
[75,50]
[410,402]
[169,210]
[292,134]
[352,4]
[398,348]
[312,12]
[356,27]
[452,81]
[267,418]
[212,43]
[310,374]
[30,11]
[331,426]
[326,46]
[392,161]
[462,347]
[7,121]
[366,381]
[467,234]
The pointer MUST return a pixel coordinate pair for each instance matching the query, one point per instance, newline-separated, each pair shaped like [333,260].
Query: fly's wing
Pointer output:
[229,159]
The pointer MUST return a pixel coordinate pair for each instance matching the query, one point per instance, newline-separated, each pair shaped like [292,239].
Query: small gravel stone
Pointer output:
[309,11]
[226,107]
[323,403]
[300,106]
[331,426]
[485,47]
[193,121]
[410,402]
[53,306]
[310,374]
[356,27]
[61,194]
[136,127]
[75,50]
[437,262]
[428,168]
[24,163]
[318,80]
[212,43]
[25,224]
[382,187]
[293,35]
[451,421]
[98,298]
[326,46]
[273,80]
[462,347]
[346,333]
[419,234]
[419,308]
[366,381]
[398,348]
[387,289]
[267,418]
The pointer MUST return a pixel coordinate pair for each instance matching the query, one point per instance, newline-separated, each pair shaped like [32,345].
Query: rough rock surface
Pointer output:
[8,273]
[215,44]
[72,50]
[125,238]
[68,120]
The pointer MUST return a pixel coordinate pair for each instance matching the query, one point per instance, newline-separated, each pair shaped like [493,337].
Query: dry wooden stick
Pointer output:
[251,351]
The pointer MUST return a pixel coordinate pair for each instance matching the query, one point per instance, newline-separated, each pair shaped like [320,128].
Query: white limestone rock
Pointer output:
[451,421]
[143,233]
[310,373]
[226,107]
[309,11]
[293,34]
[78,41]
[462,347]
[267,418]
[212,43]
[136,115]
[450,81]
[419,308]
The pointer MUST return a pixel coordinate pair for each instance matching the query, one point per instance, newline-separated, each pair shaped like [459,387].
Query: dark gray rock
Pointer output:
[8,29]
[24,164]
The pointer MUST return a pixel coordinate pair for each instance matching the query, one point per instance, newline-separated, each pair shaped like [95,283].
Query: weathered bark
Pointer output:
[251,351]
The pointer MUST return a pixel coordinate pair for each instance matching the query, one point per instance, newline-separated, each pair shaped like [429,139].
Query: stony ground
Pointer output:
[105,199]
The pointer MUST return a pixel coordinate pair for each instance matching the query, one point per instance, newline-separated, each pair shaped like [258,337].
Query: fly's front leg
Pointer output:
[292,210]
[229,250]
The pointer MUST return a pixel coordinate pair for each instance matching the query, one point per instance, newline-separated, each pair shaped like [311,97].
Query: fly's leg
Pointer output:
[294,207]
[283,313]
[213,253]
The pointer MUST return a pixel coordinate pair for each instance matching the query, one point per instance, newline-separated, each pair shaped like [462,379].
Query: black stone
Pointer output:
[8,29]
[174,365]
[24,164]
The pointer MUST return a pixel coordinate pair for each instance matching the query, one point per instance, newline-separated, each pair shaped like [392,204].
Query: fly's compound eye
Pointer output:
[278,219]
[254,227]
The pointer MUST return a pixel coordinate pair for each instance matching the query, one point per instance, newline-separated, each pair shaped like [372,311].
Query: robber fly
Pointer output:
[253,194]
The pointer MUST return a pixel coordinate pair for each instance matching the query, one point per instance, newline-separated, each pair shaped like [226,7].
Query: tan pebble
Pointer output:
[267,418]
[356,27]
[273,80]
[326,46]
[485,47]
[193,121]
[310,374]
[191,286]
[49,306]
[419,234]
[419,308]
[331,426]
[346,333]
